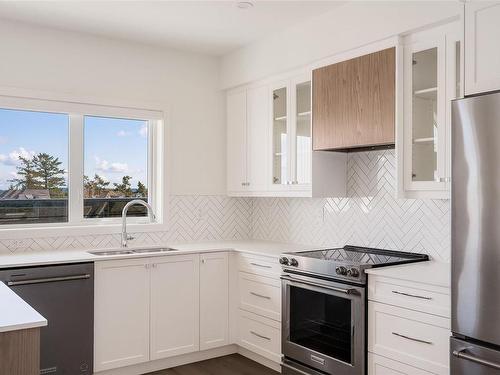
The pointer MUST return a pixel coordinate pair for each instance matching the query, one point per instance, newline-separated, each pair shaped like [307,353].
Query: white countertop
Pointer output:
[19,315]
[34,258]
[431,272]
[16,314]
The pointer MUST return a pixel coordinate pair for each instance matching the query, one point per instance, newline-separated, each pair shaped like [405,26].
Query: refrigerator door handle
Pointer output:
[461,354]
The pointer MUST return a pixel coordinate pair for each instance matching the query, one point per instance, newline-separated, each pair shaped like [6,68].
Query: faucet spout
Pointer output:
[151,215]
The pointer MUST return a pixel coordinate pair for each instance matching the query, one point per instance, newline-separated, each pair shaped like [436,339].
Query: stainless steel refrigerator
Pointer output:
[475,345]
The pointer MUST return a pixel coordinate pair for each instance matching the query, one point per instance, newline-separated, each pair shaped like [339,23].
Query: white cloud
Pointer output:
[143,131]
[106,166]
[123,133]
[13,157]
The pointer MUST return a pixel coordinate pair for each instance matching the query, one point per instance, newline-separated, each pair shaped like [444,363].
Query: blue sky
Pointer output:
[113,147]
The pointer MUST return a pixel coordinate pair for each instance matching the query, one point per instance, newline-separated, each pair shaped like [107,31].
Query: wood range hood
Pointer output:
[353,103]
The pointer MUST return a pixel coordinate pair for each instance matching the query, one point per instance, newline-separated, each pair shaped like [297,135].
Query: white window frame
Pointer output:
[77,224]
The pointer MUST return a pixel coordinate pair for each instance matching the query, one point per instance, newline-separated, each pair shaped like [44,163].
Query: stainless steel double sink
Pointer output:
[131,251]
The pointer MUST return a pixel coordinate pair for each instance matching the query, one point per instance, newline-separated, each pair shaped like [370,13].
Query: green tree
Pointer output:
[124,188]
[27,176]
[95,187]
[49,174]
[142,191]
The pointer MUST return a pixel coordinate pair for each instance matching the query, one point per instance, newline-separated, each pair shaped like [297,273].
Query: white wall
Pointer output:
[349,26]
[100,69]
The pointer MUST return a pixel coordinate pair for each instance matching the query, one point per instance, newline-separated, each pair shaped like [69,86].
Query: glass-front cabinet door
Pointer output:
[291,134]
[301,132]
[280,135]
[425,115]
[432,76]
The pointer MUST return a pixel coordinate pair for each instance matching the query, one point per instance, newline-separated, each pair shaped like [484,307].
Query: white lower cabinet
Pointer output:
[260,335]
[174,305]
[378,365]
[121,318]
[408,327]
[258,305]
[260,295]
[414,338]
[158,307]
[214,303]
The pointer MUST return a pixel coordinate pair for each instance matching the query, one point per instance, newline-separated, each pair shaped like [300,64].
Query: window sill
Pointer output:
[93,227]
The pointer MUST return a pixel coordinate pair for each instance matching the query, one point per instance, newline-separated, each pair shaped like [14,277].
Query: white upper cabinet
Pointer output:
[121,313]
[214,300]
[247,116]
[175,325]
[280,136]
[236,141]
[291,135]
[431,76]
[482,52]
[257,140]
[269,143]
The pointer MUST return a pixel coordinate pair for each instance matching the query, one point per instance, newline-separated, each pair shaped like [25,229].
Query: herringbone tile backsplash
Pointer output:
[192,218]
[369,216]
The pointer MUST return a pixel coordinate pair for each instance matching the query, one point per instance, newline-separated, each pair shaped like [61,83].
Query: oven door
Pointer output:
[324,324]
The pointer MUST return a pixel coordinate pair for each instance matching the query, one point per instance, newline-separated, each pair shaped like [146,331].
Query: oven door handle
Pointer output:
[335,289]
[297,371]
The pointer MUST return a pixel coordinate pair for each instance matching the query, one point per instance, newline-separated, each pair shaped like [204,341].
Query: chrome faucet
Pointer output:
[151,215]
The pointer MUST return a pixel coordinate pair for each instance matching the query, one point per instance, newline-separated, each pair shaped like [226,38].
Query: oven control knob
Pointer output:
[353,272]
[294,262]
[341,270]
[284,261]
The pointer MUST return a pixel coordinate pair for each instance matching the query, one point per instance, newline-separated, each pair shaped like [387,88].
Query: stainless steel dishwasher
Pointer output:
[64,295]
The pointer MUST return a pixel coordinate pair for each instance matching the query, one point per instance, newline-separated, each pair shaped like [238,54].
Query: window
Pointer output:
[77,164]
[116,166]
[33,167]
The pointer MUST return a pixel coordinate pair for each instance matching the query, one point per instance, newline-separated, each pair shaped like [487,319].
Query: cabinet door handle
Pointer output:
[444,179]
[260,265]
[260,336]
[412,338]
[411,295]
[259,295]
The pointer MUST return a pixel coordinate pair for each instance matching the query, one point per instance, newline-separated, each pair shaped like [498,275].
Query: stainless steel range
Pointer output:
[324,308]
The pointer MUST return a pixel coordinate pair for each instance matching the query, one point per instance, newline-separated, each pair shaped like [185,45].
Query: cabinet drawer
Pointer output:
[421,297]
[378,365]
[266,266]
[417,339]
[260,295]
[262,336]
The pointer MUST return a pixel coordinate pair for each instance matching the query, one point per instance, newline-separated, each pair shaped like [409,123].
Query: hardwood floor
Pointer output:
[233,364]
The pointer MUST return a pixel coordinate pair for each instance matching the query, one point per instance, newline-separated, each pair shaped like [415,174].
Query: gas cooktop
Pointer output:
[347,263]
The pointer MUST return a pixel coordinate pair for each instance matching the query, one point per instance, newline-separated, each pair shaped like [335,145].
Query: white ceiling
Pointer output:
[212,27]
